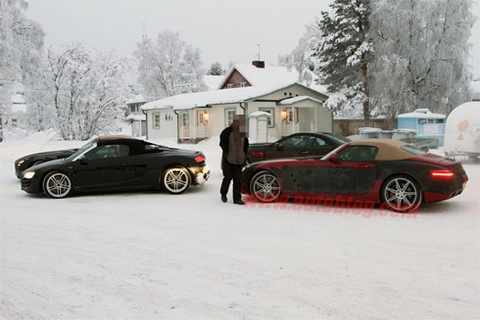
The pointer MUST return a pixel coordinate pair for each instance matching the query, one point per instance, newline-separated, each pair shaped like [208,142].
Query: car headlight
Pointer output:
[29,174]
[20,162]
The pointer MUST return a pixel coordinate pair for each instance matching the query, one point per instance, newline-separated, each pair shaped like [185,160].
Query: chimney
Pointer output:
[259,64]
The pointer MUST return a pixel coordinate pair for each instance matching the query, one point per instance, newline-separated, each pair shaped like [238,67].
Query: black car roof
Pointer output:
[103,140]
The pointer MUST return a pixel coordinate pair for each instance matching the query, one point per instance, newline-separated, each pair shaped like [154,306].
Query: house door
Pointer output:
[185,125]
[307,119]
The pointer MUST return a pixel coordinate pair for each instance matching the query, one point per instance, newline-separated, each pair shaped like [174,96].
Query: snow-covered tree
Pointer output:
[168,66]
[344,53]
[421,54]
[300,59]
[21,47]
[88,91]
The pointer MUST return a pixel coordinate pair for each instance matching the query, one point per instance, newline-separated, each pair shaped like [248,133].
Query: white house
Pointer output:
[196,116]
[248,90]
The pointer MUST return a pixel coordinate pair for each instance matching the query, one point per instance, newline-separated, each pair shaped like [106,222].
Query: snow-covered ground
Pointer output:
[150,255]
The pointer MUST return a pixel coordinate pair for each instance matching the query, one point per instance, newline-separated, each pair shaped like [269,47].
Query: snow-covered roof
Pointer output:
[136,99]
[422,113]
[298,99]
[136,117]
[213,97]
[213,82]
[258,114]
[271,75]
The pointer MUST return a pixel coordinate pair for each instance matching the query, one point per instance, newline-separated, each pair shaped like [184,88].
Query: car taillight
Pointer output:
[199,158]
[256,154]
[442,173]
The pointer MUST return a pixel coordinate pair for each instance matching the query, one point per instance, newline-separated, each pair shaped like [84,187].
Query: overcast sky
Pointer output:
[224,30]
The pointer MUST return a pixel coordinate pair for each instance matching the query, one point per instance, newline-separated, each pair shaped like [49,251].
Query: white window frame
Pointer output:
[229,113]
[271,111]
[156,120]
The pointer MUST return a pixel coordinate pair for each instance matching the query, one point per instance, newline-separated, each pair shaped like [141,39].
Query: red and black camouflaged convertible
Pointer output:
[381,171]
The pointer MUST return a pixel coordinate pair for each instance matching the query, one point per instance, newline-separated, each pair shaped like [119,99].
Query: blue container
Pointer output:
[425,123]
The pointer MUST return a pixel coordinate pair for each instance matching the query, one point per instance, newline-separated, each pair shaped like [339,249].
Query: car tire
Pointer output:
[57,185]
[401,194]
[265,186]
[176,180]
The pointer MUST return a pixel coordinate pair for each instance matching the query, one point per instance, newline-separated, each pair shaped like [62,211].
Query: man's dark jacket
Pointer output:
[225,142]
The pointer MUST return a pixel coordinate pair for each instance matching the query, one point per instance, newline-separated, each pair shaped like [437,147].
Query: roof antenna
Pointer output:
[258,45]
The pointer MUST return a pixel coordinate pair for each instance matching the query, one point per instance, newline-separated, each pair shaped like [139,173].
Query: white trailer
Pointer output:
[462,131]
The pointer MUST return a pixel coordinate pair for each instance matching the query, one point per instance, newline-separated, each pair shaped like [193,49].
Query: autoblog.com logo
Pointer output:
[334,205]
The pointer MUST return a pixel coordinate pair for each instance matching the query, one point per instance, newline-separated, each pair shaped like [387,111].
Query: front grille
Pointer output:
[26,183]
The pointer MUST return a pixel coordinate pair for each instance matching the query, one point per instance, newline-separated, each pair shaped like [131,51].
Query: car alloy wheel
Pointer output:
[265,186]
[401,194]
[57,185]
[176,180]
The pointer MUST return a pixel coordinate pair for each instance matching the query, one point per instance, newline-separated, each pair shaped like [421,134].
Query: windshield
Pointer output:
[325,157]
[338,137]
[80,151]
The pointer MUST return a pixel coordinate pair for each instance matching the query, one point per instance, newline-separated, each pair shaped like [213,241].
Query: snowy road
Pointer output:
[152,255]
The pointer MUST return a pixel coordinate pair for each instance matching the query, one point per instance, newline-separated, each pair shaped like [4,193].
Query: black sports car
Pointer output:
[300,144]
[118,163]
[27,161]
[358,174]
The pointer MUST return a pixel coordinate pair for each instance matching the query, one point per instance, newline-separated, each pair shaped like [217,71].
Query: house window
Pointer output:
[202,117]
[271,120]
[156,120]
[229,113]
[243,84]
[230,86]
[291,117]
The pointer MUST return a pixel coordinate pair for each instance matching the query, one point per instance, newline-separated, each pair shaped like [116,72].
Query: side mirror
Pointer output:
[277,147]
[333,157]
[82,160]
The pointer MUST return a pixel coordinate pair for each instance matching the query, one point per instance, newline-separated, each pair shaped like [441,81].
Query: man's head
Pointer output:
[239,123]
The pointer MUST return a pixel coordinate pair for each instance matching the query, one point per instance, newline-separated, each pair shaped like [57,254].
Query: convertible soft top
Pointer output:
[388,149]
[115,137]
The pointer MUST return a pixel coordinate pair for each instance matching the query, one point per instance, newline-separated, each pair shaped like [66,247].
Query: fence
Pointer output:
[348,127]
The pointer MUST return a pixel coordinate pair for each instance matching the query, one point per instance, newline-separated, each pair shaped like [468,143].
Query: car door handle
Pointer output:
[304,152]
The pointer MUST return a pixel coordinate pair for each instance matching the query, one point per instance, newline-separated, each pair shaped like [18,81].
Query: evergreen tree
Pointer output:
[344,54]
[216,69]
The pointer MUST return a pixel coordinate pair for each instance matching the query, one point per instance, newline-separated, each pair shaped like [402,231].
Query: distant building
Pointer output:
[136,117]
[425,123]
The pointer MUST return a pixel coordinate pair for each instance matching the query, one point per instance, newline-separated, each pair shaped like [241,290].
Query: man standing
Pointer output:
[234,144]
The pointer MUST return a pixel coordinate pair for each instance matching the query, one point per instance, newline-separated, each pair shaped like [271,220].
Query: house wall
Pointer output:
[165,128]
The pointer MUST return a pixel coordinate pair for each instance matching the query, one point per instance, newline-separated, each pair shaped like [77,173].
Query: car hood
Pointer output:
[47,153]
[46,164]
